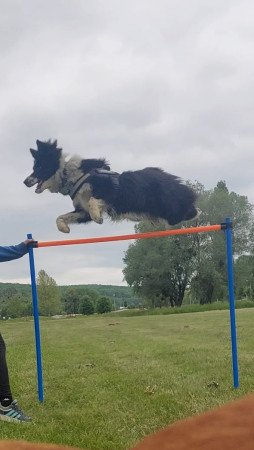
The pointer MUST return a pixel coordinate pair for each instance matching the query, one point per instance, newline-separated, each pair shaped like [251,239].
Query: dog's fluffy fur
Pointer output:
[147,194]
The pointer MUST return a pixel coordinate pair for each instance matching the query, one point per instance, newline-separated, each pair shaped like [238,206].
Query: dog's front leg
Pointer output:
[64,220]
[96,207]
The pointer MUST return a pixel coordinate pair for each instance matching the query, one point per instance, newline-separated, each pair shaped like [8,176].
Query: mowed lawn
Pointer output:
[109,381]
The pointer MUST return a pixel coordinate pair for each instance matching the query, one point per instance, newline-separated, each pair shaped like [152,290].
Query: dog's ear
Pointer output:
[40,144]
[46,145]
[33,152]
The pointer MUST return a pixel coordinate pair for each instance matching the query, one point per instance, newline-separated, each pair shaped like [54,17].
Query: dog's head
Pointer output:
[46,164]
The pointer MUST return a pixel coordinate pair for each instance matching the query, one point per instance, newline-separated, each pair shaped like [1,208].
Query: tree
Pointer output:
[206,284]
[48,294]
[159,269]
[210,279]
[16,306]
[244,277]
[103,305]
[86,305]
[217,204]
[71,300]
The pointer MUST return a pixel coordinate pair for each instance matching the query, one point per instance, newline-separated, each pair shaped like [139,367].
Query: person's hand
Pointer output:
[28,241]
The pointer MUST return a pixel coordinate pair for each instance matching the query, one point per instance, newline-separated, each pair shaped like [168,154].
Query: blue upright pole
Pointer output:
[36,322]
[232,300]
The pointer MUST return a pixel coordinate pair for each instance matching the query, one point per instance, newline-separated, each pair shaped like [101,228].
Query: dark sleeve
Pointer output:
[13,252]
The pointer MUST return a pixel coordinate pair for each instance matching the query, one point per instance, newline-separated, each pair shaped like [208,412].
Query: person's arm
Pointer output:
[14,251]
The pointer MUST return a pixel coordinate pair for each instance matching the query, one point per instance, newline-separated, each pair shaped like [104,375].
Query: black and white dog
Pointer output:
[147,194]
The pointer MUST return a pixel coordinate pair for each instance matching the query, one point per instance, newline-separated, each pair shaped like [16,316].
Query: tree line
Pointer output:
[52,300]
[15,298]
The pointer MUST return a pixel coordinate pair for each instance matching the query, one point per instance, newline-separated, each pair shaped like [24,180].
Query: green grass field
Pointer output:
[109,381]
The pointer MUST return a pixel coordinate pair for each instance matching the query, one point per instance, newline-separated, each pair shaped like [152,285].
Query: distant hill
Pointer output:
[117,294]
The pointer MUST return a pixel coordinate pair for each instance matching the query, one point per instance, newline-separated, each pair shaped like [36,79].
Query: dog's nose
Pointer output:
[28,182]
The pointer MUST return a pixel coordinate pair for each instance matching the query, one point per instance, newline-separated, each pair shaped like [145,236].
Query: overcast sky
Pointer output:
[139,82]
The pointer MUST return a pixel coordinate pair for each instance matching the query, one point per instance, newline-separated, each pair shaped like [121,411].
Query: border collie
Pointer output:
[148,194]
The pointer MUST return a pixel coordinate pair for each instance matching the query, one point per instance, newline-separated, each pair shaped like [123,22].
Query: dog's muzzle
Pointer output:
[30,181]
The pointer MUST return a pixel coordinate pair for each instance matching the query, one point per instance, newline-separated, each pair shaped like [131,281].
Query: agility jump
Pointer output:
[226,227]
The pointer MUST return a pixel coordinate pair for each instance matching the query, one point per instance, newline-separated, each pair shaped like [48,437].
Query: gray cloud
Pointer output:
[163,83]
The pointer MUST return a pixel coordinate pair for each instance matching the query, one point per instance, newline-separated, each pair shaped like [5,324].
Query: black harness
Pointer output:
[102,173]
[79,183]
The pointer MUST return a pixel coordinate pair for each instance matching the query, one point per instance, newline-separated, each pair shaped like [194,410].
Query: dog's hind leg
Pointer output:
[77,216]
[96,207]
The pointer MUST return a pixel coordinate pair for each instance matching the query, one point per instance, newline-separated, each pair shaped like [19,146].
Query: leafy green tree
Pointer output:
[159,270]
[48,295]
[16,306]
[217,204]
[244,277]
[210,280]
[86,305]
[104,305]
[71,300]
[206,284]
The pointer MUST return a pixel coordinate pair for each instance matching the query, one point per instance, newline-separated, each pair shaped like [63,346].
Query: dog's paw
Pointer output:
[98,219]
[62,225]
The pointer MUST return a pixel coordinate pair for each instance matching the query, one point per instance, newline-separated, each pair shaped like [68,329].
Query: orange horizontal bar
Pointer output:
[126,237]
